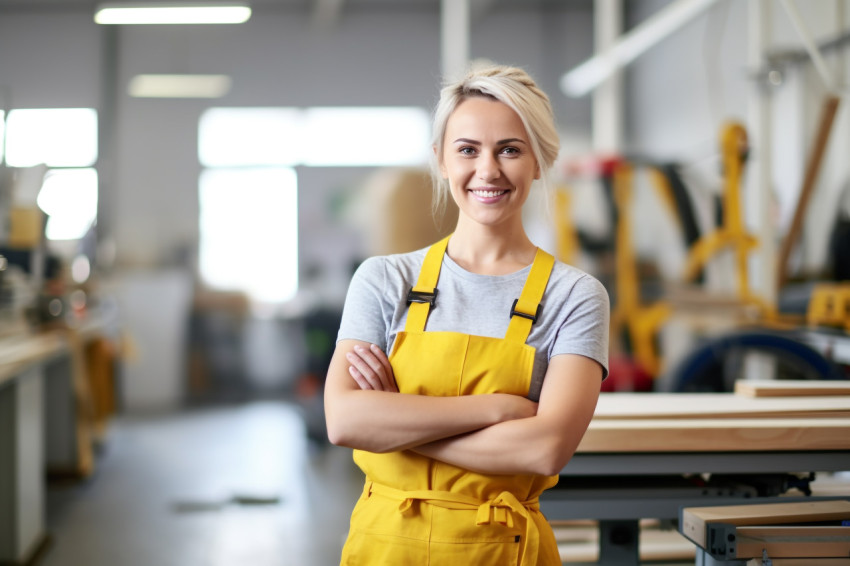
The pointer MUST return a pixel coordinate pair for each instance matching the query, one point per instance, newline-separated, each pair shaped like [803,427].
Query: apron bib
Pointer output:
[418,511]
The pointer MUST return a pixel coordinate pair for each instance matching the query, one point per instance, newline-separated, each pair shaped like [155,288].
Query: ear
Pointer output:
[537,172]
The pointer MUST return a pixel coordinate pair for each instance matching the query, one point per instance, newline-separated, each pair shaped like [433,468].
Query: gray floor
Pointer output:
[226,486]
[208,487]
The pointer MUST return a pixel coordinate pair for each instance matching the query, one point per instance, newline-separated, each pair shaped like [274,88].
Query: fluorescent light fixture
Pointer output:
[179,86]
[163,13]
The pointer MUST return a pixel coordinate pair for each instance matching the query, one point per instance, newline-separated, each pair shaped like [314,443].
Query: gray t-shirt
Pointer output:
[573,316]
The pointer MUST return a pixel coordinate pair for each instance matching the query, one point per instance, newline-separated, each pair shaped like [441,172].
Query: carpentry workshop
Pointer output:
[256,254]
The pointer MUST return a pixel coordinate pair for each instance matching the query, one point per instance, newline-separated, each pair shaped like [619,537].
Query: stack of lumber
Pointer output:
[782,534]
[759,416]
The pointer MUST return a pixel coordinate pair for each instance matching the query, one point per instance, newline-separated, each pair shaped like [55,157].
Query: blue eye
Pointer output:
[510,150]
[466,150]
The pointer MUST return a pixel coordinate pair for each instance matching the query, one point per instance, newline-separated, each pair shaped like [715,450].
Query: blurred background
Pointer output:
[182,207]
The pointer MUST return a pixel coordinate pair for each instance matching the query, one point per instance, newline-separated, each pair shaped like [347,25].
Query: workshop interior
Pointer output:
[183,203]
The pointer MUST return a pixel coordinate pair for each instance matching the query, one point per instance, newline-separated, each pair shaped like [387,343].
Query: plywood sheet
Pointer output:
[716,405]
[695,519]
[793,542]
[789,388]
[715,435]
[798,562]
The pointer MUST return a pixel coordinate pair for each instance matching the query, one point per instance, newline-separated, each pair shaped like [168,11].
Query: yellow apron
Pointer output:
[418,511]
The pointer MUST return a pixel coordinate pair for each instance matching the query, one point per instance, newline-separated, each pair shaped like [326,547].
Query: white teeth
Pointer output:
[488,194]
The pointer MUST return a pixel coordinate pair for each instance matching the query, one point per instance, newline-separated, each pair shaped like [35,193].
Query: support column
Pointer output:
[454,38]
[608,96]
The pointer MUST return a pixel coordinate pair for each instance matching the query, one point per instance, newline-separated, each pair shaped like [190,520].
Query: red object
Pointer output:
[625,374]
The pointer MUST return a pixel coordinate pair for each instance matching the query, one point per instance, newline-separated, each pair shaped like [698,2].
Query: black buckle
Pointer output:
[531,317]
[421,297]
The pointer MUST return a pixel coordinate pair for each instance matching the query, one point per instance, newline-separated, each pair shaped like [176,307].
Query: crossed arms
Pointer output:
[493,433]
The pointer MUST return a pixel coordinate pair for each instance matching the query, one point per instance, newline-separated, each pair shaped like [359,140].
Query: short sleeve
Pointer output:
[585,327]
[364,315]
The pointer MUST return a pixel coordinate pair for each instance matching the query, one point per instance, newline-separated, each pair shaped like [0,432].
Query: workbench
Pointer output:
[803,533]
[646,455]
[44,425]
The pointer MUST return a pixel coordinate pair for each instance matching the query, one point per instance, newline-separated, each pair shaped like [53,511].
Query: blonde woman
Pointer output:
[497,352]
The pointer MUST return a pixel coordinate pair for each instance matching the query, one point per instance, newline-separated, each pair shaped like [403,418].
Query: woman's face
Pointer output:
[488,162]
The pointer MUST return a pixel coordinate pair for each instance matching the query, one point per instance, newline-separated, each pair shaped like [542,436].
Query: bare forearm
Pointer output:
[381,421]
[540,444]
[526,446]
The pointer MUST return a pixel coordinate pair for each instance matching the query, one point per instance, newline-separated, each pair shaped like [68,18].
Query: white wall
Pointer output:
[681,91]
[385,55]
[149,165]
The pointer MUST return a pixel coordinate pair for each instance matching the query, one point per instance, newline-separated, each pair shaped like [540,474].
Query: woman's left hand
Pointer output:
[371,369]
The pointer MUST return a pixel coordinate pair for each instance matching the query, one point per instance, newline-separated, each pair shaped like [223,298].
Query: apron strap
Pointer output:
[423,296]
[526,309]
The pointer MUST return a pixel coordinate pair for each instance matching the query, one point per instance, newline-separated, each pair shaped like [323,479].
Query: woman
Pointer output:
[498,352]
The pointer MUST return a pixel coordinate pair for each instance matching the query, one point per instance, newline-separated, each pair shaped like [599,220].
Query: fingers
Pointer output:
[371,369]
[388,369]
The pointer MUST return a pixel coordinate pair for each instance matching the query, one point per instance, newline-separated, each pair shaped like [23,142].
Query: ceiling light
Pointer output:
[179,86]
[156,13]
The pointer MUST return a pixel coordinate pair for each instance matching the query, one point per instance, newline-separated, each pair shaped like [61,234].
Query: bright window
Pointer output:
[366,136]
[229,137]
[57,137]
[65,140]
[249,194]
[318,136]
[249,231]
[69,198]
[2,134]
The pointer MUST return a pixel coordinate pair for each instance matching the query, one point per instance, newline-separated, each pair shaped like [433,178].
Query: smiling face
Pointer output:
[488,161]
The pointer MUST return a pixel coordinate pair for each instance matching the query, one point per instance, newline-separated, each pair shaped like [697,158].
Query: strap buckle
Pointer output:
[422,297]
[531,317]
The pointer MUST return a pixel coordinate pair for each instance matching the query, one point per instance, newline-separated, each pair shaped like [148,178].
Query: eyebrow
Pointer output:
[500,142]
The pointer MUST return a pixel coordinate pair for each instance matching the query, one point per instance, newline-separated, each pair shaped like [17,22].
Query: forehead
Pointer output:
[484,115]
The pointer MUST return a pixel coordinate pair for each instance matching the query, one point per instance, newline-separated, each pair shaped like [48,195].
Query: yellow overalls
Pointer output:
[418,511]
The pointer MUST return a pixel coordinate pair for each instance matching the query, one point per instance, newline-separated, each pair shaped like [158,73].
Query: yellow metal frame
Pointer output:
[732,234]
[566,238]
[640,321]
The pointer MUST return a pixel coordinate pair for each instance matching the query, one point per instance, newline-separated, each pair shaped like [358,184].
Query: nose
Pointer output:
[487,167]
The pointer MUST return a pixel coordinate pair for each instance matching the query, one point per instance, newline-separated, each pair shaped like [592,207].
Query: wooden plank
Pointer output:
[799,562]
[791,388]
[716,435]
[695,519]
[793,542]
[715,405]
[18,353]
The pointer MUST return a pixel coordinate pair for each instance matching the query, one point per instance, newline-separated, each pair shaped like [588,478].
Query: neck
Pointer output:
[491,250]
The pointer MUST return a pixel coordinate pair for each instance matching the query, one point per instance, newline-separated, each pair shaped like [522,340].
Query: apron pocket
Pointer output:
[368,549]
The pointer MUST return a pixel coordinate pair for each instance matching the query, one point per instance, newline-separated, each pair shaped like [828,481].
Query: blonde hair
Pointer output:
[511,86]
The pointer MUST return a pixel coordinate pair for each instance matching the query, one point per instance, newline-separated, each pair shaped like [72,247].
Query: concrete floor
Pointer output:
[225,486]
[208,487]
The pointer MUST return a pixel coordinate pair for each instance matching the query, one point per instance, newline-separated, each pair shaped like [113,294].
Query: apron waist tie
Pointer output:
[499,509]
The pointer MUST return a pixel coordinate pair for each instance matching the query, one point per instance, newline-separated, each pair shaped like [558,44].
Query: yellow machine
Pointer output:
[830,305]
[732,234]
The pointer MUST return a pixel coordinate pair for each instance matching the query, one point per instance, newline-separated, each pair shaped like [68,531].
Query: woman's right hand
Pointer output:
[371,369]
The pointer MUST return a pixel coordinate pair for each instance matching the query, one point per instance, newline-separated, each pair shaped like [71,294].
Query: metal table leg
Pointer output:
[618,543]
